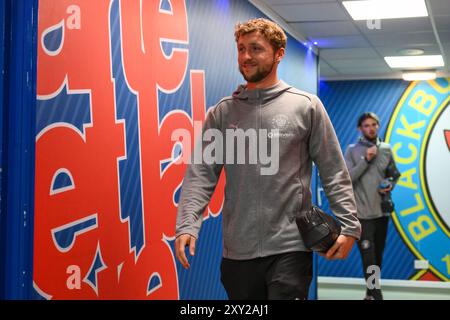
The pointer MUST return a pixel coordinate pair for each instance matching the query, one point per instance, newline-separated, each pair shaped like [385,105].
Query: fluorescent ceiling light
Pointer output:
[415,62]
[385,9]
[419,75]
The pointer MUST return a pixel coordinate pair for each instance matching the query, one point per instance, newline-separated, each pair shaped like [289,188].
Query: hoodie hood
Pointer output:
[365,142]
[264,94]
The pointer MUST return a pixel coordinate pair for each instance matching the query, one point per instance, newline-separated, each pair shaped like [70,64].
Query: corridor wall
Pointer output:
[115,79]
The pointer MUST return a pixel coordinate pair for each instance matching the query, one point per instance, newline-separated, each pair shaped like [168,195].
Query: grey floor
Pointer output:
[354,289]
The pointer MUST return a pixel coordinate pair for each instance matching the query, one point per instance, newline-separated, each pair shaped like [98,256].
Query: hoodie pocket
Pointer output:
[229,216]
[300,197]
[296,207]
[226,219]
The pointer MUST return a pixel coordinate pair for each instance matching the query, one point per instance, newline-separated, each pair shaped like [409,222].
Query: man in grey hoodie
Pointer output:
[367,162]
[263,253]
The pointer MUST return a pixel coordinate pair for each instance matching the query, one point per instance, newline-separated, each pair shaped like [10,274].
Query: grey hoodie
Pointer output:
[366,176]
[258,217]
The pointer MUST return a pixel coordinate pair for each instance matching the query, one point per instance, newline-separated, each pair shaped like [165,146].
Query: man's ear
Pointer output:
[280,54]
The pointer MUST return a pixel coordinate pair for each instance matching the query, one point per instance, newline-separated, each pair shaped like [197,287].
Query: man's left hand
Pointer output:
[383,191]
[340,249]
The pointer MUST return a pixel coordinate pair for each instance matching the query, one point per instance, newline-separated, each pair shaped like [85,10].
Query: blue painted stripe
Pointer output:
[19,106]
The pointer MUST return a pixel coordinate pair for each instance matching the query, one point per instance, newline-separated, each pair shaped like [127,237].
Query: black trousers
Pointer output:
[285,276]
[371,246]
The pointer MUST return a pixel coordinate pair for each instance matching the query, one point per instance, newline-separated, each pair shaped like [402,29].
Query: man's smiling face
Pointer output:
[256,57]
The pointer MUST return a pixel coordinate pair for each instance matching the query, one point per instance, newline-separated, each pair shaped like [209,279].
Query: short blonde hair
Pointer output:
[269,29]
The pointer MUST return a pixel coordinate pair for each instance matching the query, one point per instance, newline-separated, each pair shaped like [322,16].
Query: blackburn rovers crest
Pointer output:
[419,134]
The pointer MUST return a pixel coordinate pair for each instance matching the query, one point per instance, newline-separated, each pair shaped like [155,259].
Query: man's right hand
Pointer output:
[371,153]
[180,244]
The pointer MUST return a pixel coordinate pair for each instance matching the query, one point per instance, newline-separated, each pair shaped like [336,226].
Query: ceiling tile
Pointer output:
[446,47]
[440,7]
[442,22]
[327,73]
[397,26]
[347,53]
[311,12]
[394,51]
[402,39]
[325,70]
[444,36]
[357,63]
[342,42]
[364,71]
[325,29]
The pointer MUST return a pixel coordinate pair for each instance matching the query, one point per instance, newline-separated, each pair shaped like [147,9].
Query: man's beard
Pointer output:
[372,139]
[260,74]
